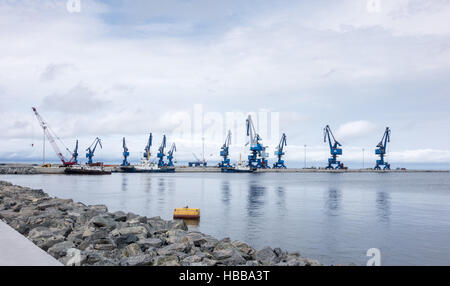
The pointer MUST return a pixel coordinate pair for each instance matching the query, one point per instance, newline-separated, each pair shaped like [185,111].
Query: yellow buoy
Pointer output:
[186,212]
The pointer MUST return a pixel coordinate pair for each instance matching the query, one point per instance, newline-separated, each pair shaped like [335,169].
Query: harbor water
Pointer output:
[332,217]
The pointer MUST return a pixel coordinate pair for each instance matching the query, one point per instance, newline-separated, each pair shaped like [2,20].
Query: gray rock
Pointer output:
[140,260]
[150,243]
[132,250]
[126,239]
[139,231]
[101,221]
[267,256]
[60,249]
[229,257]
[173,248]
[166,261]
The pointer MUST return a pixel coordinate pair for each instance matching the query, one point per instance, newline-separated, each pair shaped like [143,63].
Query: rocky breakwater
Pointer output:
[17,170]
[77,234]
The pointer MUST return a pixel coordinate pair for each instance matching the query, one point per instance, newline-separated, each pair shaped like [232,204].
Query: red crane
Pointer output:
[44,125]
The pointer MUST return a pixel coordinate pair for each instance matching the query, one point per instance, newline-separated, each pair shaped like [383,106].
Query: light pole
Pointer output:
[305,156]
[363,157]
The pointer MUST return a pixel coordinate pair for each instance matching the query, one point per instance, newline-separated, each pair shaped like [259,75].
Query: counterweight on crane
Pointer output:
[161,154]
[125,154]
[172,149]
[147,148]
[257,157]
[91,150]
[51,139]
[279,153]
[224,152]
[334,150]
[381,150]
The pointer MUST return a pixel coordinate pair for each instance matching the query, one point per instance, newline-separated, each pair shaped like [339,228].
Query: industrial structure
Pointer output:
[161,153]
[334,149]
[381,150]
[172,149]
[91,150]
[147,147]
[48,133]
[224,152]
[257,158]
[197,163]
[125,154]
[279,153]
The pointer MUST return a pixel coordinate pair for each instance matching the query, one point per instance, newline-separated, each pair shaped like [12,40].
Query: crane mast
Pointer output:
[173,148]
[51,139]
[334,149]
[161,152]
[257,157]
[381,150]
[225,152]
[279,153]
[125,154]
[147,148]
[91,150]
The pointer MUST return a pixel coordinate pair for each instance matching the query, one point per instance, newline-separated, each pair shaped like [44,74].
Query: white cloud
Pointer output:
[354,129]
[312,65]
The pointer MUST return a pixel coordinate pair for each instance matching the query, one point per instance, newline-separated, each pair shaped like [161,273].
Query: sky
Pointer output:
[114,69]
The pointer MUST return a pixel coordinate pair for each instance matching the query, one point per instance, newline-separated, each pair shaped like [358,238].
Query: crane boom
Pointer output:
[52,141]
[161,152]
[225,152]
[257,157]
[173,148]
[381,150]
[91,150]
[334,148]
[280,152]
[125,154]
[147,148]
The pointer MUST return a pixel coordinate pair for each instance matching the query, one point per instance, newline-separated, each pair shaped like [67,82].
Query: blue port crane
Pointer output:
[224,152]
[125,154]
[75,153]
[172,149]
[279,153]
[381,150]
[334,149]
[91,149]
[161,154]
[257,157]
[147,148]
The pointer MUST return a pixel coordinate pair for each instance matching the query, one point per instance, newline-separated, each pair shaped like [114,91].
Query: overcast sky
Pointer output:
[127,68]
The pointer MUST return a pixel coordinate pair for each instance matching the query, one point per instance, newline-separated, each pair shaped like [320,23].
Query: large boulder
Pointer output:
[60,249]
[267,256]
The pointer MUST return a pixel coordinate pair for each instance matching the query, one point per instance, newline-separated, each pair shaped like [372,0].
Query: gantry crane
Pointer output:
[161,152]
[172,149]
[75,153]
[125,154]
[48,133]
[147,148]
[334,150]
[91,150]
[224,152]
[279,153]
[257,157]
[381,150]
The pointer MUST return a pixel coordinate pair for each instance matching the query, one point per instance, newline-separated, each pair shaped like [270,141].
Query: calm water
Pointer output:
[334,218]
